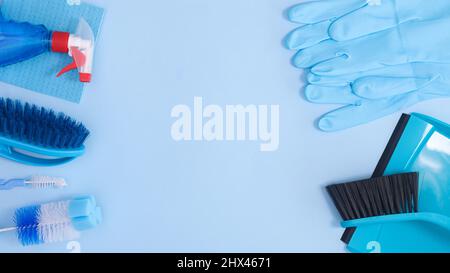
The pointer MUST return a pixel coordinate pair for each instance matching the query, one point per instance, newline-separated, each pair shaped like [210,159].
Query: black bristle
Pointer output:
[378,204]
[39,126]
[399,188]
[351,199]
[335,195]
[364,196]
[381,196]
[386,196]
[347,204]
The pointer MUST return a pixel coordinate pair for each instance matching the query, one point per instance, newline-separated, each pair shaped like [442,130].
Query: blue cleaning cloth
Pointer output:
[39,74]
[370,95]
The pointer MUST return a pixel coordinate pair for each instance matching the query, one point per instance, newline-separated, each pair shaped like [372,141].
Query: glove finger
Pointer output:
[352,60]
[316,11]
[382,87]
[370,52]
[343,80]
[369,110]
[399,71]
[312,56]
[366,20]
[308,35]
[331,95]
[337,66]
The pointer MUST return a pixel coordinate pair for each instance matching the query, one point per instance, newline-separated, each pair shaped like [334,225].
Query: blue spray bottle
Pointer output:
[22,41]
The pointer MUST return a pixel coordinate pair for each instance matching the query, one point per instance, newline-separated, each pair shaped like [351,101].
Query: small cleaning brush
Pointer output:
[389,199]
[55,222]
[33,182]
[383,196]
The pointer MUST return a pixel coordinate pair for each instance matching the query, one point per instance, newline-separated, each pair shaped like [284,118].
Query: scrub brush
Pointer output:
[34,182]
[55,222]
[37,136]
[389,199]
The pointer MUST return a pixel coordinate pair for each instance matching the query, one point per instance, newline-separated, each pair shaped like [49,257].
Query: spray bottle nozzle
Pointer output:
[79,46]
[79,61]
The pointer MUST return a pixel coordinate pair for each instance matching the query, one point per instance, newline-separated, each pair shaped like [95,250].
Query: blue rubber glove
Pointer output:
[418,41]
[370,95]
[343,20]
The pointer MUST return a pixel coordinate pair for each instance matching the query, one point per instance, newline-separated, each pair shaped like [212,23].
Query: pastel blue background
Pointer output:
[162,196]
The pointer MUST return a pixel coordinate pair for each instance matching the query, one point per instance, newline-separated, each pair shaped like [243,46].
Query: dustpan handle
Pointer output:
[433,218]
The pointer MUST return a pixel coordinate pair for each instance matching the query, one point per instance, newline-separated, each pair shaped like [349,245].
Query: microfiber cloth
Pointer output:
[39,74]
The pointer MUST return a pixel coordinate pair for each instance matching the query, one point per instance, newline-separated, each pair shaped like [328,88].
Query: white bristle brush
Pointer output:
[34,182]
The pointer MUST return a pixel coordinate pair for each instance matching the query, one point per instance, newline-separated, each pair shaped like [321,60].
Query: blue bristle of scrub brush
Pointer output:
[39,126]
[27,224]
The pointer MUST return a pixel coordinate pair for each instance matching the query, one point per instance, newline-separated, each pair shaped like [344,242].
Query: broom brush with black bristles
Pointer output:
[382,200]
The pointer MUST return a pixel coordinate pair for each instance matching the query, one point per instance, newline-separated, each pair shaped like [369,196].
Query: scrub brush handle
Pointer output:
[12,154]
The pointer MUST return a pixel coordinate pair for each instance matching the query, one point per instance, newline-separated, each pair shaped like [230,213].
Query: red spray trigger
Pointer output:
[79,60]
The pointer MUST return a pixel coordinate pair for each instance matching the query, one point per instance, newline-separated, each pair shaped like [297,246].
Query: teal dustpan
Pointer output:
[420,144]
